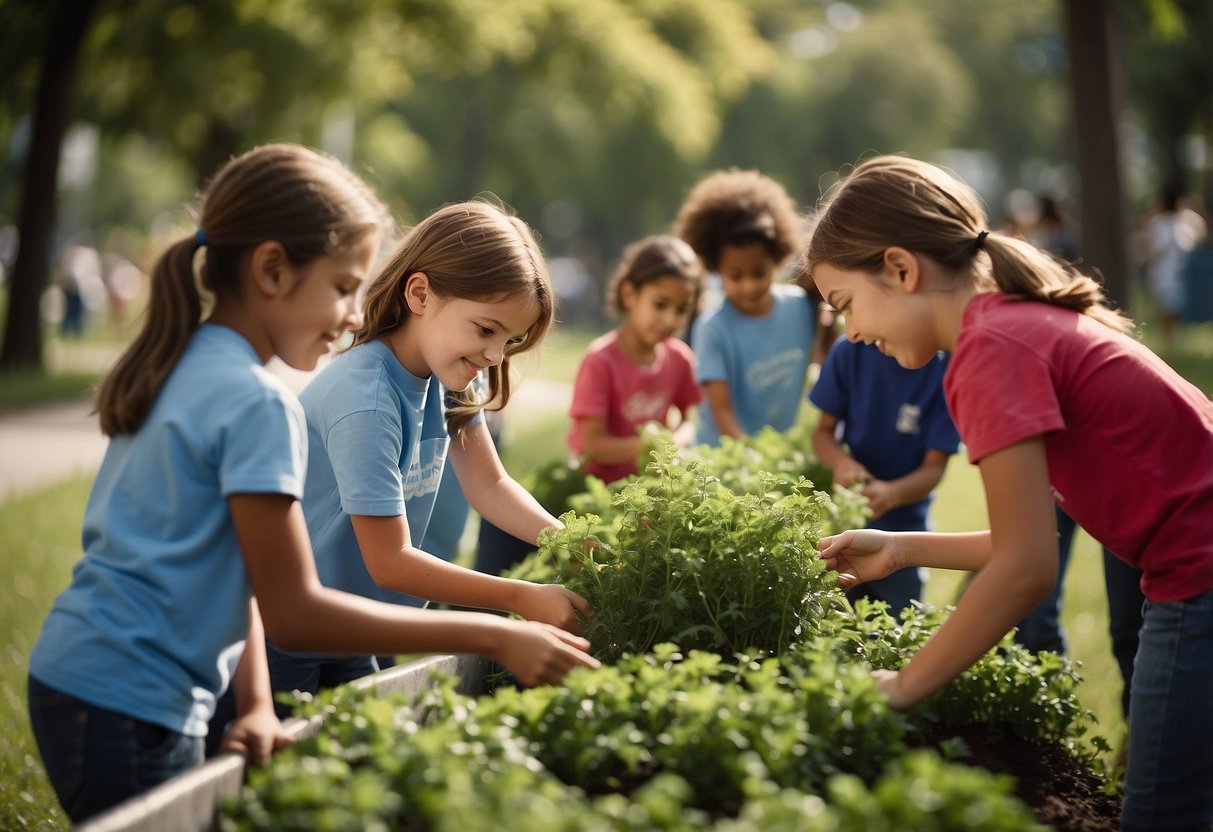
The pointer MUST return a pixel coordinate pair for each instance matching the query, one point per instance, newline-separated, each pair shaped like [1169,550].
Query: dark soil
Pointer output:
[1059,789]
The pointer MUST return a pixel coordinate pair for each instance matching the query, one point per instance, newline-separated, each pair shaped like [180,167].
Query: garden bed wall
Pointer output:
[188,803]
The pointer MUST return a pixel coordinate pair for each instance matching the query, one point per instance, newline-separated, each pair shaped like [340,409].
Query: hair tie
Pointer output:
[200,236]
[981,238]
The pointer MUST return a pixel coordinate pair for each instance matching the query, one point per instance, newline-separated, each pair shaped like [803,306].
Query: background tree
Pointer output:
[60,28]
[590,117]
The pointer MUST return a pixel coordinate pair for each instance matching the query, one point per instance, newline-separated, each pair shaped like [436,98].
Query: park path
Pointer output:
[45,445]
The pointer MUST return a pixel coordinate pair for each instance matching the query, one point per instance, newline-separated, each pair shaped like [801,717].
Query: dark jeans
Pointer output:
[288,673]
[497,551]
[1041,629]
[897,590]
[96,758]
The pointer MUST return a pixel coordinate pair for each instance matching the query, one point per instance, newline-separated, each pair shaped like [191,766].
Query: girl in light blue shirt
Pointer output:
[195,511]
[467,290]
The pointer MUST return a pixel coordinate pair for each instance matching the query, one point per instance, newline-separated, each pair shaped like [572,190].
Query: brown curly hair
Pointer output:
[737,207]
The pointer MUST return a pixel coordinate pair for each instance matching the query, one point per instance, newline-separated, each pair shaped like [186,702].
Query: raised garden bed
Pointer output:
[763,717]
[189,803]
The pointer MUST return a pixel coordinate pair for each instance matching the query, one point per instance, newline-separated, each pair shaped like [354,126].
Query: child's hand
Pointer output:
[860,555]
[888,682]
[685,434]
[257,734]
[848,472]
[881,497]
[540,654]
[553,604]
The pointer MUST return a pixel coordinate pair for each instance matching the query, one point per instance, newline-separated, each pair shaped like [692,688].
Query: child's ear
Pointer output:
[417,292]
[627,294]
[902,268]
[268,264]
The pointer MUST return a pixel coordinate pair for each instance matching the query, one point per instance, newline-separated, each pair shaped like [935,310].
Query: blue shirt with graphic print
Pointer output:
[889,417]
[764,360]
[377,444]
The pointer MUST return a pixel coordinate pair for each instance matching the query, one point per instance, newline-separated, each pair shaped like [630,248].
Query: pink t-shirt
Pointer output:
[610,386]
[1129,442]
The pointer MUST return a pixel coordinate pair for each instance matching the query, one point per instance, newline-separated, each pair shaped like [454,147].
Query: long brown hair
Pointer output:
[308,202]
[898,201]
[474,251]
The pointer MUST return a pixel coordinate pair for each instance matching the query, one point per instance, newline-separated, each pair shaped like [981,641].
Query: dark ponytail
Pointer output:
[311,204]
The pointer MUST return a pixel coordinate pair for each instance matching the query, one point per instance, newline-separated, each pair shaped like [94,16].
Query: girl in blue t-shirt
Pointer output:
[196,508]
[467,289]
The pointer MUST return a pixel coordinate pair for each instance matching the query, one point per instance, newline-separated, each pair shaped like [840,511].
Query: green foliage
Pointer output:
[27,388]
[554,483]
[1008,690]
[682,558]
[659,741]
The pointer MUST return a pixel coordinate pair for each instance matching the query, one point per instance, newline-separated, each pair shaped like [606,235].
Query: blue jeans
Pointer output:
[1041,629]
[287,673]
[313,673]
[1169,782]
[497,550]
[96,758]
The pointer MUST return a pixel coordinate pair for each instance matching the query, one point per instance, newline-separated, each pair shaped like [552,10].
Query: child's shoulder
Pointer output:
[790,293]
[678,348]
[604,342]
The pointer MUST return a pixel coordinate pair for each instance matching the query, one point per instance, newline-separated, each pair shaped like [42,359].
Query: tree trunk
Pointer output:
[1095,84]
[36,218]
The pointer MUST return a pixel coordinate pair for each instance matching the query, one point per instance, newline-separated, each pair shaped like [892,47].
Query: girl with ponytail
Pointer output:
[1054,402]
[195,544]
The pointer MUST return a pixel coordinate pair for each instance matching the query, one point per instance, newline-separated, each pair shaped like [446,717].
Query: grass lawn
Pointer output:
[39,543]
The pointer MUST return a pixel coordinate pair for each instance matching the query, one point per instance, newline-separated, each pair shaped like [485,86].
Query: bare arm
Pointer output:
[257,730]
[396,564]
[300,614]
[1020,570]
[490,489]
[720,402]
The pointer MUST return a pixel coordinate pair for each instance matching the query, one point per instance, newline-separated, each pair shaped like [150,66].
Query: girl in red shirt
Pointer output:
[1054,402]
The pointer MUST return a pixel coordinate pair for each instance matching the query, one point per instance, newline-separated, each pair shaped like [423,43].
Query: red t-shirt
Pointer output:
[610,386]
[1129,442]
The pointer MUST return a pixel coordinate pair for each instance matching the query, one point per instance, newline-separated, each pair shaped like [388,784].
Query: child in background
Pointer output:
[466,290]
[896,427]
[754,347]
[639,372]
[196,506]
[1053,402]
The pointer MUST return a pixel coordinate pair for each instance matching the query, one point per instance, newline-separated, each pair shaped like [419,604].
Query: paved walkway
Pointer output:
[45,445]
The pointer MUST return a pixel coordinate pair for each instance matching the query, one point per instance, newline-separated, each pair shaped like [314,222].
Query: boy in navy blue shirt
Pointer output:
[896,436]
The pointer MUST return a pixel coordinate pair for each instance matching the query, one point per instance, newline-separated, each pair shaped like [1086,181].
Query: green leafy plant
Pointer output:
[684,559]
[666,740]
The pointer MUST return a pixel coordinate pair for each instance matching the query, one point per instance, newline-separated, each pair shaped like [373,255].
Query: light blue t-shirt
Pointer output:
[377,446]
[765,361]
[158,607]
